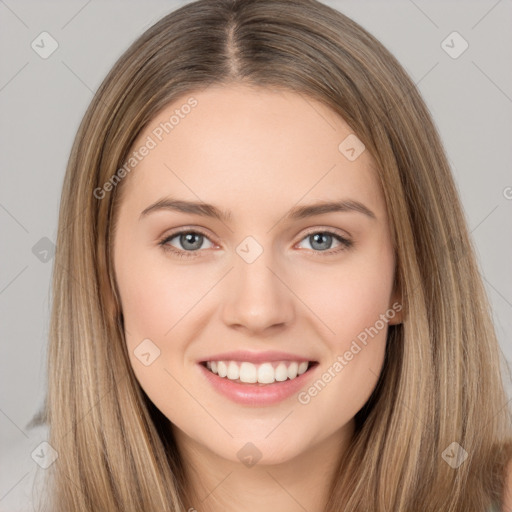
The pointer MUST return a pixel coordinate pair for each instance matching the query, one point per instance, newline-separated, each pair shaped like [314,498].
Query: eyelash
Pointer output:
[345,243]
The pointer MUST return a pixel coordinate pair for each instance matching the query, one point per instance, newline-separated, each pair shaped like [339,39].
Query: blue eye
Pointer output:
[192,241]
[321,241]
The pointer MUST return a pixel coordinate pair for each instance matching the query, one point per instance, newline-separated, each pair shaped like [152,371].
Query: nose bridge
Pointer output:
[257,298]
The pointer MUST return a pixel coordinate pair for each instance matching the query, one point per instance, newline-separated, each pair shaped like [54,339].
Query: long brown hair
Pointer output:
[441,382]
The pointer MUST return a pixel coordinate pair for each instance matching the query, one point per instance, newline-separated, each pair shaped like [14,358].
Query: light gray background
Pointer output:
[43,100]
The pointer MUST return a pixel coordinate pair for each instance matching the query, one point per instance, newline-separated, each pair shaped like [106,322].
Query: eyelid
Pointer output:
[325,229]
[315,229]
[187,229]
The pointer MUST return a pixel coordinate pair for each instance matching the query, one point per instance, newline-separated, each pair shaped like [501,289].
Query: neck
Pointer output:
[215,483]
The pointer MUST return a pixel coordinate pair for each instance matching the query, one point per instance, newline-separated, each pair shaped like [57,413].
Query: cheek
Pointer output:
[349,299]
[156,295]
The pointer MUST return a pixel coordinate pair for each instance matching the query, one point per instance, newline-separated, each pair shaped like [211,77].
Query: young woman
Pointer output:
[265,296]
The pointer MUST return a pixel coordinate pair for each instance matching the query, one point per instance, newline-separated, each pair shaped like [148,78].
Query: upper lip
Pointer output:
[256,357]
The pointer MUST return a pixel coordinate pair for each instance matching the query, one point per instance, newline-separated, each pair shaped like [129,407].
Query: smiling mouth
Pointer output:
[244,372]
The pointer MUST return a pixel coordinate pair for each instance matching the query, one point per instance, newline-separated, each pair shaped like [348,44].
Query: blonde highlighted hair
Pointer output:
[441,382]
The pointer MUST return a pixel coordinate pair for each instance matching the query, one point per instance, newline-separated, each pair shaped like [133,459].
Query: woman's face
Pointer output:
[259,271]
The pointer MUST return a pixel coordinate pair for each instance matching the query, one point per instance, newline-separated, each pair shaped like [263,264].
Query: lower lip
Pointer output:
[257,394]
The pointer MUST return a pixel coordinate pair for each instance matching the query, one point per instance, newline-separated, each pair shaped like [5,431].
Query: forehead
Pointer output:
[251,148]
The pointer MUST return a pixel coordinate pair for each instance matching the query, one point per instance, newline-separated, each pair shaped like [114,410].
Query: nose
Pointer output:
[258,297]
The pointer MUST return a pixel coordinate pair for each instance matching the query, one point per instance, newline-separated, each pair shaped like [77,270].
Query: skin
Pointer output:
[258,153]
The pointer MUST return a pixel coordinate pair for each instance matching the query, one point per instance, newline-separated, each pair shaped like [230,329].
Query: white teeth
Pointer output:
[281,372]
[265,373]
[248,372]
[292,370]
[233,371]
[302,367]
[222,369]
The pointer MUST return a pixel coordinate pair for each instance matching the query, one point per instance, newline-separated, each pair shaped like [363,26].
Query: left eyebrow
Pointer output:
[296,213]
